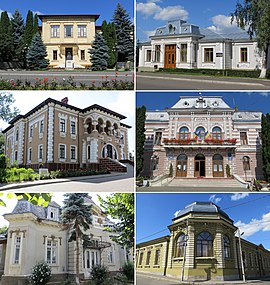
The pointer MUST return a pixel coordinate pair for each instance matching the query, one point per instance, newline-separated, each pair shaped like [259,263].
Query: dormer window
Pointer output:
[53,213]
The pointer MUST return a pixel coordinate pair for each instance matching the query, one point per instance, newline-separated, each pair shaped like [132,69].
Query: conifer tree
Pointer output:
[76,216]
[28,32]
[140,138]
[108,32]
[35,25]
[6,42]
[124,34]
[36,54]
[18,35]
[99,53]
[265,137]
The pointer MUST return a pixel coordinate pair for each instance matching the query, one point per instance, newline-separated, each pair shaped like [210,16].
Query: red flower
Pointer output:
[36,78]
[126,74]
[46,79]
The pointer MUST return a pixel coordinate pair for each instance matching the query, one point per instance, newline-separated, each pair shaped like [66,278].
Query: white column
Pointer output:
[50,134]
[84,152]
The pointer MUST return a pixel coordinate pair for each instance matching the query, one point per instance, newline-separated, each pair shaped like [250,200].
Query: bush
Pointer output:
[128,270]
[228,170]
[171,170]
[100,275]
[41,274]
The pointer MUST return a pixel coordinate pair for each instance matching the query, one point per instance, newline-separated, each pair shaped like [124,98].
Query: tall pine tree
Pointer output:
[18,35]
[265,137]
[76,216]
[140,138]
[6,42]
[124,34]
[99,53]
[35,25]
[36,54]
[108,32]
[28,32]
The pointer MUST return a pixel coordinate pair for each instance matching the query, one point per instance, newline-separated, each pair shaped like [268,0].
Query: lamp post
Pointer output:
[241,256]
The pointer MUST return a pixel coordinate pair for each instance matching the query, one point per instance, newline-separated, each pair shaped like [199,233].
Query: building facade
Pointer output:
[202,245]
[68,39]
[183,45]
[203,137]
[35,234]
[56,135]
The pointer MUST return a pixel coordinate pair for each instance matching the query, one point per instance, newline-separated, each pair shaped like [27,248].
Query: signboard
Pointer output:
[219,54]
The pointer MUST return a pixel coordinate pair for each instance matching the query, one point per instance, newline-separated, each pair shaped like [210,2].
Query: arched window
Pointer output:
[183,133]
[109,151]
[217,157]
[226,245]
[108,128]
[180,246]
[90,126]
[204,244]
[17,135]
[200,133]
[182,157]
[115,130]
[216,133]
[246,163]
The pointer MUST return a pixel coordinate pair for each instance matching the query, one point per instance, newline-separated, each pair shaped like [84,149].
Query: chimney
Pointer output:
[65,100]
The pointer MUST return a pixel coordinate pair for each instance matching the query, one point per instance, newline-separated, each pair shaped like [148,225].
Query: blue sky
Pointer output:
[252,101]
[207,14]
[155,212]
[104,8]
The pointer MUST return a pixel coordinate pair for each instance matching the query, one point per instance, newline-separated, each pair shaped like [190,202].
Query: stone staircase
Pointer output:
[112,165]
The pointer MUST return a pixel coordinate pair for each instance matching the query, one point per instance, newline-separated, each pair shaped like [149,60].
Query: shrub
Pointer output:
[171,170]
[41,274]
[228,170]
[128,270]
[3,168]
[100,275]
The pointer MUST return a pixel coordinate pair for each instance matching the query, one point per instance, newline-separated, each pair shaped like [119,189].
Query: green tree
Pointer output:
[76,216]
[120,206]
[6,41]
[28,32]
[254,15]
[36,55]
[108,32]
[35,25]
[124,34]
[140,138]
[3,229]
[6,111]
[2,143]
[18,35]
[99,53]
[265,137]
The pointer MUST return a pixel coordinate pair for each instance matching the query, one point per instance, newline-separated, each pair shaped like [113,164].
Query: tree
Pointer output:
[6,112]
[28,32]
[99,53]
[76,216]
[18,35]
[265,137]
[121,206]
[2,143]
[35,25]
[255,16]
[140,138]
[108,32]
[37,53]
[6,41]
[124,34]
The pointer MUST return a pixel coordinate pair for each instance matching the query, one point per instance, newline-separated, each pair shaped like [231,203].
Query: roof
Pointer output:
[201,207]
[50,100]
[159,116]
[69,15]
[23,206]
[244,116]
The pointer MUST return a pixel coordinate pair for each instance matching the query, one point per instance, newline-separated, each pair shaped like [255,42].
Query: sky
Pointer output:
[104,8]
[57,197]
[249,211]
[121,102]
[211,14]
[250,101]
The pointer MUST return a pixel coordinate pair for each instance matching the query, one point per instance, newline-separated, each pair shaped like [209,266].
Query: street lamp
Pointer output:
[241,256]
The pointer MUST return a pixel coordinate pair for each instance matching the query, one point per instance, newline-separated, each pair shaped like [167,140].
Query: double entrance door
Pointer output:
[199,165]
[170,56]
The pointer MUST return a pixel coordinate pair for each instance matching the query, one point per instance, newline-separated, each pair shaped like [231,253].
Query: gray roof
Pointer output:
[159,116]
[24,206]
[244,116]
[201,207]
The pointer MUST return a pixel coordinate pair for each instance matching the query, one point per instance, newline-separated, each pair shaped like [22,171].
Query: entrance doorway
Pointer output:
[199,165]
[218,170]
[170,56]
[181,166]
[69,54]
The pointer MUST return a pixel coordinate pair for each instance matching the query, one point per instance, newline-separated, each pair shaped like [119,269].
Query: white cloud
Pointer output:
[148,9]
[222,24]
[254,225]
[214,199]
[9,14]
[149,33]
[239,196]
[171,13]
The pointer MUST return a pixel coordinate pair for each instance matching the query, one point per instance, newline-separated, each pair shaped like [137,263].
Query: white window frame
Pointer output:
[54,248]
[31,130]
[15,155]
[75,133]
[40,146]
[59,157]
[55,212]
[30,150]
[73,159]
[65,125]
[41,126]
[65,32]
[82,31]
[16,244]
[55,31]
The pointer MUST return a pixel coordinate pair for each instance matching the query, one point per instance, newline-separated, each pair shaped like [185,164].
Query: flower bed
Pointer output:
[209,141]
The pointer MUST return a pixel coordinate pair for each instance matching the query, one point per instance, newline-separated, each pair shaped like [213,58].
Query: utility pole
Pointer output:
[241,256]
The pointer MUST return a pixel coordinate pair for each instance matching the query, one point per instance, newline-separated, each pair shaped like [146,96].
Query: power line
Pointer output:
[153,234]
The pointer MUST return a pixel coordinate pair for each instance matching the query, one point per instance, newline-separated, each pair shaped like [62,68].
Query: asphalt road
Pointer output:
[190,189]
[87,77]
[160,81]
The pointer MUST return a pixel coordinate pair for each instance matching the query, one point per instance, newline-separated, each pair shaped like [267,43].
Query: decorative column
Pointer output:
[219,248]
[84,151]
[190,250]
[50,134]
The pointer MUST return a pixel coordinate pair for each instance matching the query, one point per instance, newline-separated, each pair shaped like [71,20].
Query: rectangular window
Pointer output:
[141,258]
[157,53]
[208,55]
[30,154]
[88,152]
[62,125]
[148,256]
[40,152]
[16,155]
[51,252]
[243,138]
[157,257]
[148,55]
[17,248]
[55,31]
[81,31]
[54,54]
[41,126]
[72,152]
[73,128]
[243,54]
[158,136]
[31,132]
[68,31]
[62,151]
[183,53]
[17,136]
[83,54]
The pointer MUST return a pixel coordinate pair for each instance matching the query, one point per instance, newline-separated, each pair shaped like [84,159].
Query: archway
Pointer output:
[181,165]
[109,151]
[199,165]
[218,169]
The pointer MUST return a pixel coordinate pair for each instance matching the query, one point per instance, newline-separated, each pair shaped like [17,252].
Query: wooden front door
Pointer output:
[199,166]
[218,170]
[181,168]
[170,56]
